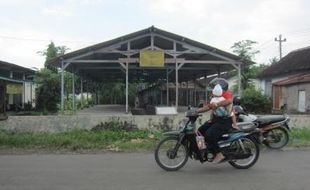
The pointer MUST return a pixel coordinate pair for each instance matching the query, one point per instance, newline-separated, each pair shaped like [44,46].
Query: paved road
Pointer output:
[275,170]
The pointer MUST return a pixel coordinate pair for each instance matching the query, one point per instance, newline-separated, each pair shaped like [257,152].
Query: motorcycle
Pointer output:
[273,129]
[240,147]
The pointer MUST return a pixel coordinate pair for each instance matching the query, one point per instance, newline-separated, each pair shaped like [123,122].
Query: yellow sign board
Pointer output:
[152,58]
[14,89]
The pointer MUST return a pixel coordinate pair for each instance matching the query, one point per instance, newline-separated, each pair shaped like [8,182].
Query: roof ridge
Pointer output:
[15,65]
[300,49]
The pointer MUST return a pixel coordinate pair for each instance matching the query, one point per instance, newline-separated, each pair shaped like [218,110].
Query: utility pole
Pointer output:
[280,40]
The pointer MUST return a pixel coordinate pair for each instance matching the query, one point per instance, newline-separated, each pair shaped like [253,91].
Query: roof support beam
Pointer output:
[66,64]
[197,49]
[62,86]
[123,65]
[139,68]
[73,93]
[170,52]
[167,85]
[152,42]
[127,72]
[112,47]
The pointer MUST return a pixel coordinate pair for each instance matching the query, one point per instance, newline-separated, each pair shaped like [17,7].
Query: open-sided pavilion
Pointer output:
[120,59]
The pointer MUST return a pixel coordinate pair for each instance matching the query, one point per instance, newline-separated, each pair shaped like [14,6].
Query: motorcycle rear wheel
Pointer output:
[276,138]
[249,145]
[167,157]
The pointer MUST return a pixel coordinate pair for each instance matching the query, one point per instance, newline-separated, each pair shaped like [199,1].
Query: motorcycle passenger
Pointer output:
[222,116]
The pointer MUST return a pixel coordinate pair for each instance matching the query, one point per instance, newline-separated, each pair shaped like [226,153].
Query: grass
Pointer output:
[79,140]
[107,139]
[300,137]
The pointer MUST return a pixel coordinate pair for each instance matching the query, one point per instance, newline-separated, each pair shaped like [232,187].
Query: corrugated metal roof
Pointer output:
[111,71]
[295,79]
[149,30]
[295,62]
[13,67]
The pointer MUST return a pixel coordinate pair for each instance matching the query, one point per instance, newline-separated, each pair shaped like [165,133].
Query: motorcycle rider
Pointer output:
[219,124]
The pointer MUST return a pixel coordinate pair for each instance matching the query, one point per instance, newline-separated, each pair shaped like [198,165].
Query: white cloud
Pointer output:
[58,11]
[221,23]
[24,47]
[218,23]
[66,8]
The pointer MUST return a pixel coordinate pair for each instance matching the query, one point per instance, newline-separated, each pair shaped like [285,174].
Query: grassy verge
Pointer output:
[80,140]
[109,139]
[300,137]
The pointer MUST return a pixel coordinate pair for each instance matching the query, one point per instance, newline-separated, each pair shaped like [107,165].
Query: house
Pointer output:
[288,82]
[16,87]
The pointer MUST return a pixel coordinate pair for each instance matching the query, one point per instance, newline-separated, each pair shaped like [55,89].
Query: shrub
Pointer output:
[255,102]
[48,90]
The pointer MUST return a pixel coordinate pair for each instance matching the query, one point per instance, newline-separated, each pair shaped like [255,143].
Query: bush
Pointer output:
[253,101]
[114,93]
[48,90]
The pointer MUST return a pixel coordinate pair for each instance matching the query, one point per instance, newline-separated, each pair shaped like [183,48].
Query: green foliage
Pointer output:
[51,52]
[81,140]
[48,90]
[245,50]
[254,102]
[68,106]
[48,80]
[300,137]
[249,73]
[114,93]
[273,60]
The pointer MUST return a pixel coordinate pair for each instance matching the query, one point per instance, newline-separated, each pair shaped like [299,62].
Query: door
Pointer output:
[301,101]
[277,95]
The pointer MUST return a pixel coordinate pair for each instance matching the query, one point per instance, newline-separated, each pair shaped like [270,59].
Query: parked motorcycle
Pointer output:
[273,129]
[240,148]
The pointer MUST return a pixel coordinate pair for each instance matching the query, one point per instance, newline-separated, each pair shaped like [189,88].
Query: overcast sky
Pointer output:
[27,26]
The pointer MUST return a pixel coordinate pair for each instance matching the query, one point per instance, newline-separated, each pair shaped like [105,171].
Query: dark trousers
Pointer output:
[213,132]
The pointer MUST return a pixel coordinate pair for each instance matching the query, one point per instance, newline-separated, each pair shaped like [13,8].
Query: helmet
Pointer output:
[220,81]
[237,100]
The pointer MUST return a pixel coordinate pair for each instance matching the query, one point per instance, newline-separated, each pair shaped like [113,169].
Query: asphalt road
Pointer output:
[138,171]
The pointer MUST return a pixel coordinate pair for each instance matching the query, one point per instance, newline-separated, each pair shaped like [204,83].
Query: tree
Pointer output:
[48,90]
[48,80]
[245,50]
[273,60]
[52,52]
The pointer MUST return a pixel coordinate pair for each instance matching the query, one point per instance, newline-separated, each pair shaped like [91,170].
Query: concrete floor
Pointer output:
[105,110]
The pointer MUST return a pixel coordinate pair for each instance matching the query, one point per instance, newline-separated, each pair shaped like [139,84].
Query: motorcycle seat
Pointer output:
[243,127]
[269,119]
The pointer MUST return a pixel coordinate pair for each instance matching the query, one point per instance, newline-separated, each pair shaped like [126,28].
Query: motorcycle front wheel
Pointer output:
[245,146]
[276,138]
[169,156]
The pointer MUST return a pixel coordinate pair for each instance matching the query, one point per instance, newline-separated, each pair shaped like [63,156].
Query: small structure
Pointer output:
[288,82]
[151,54]
[16,87]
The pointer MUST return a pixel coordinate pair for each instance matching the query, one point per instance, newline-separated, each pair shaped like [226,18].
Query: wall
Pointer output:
[290,96]
[65,123]
[266,84]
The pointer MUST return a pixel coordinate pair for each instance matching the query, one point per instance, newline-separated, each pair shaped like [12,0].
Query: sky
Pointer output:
[27,27]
